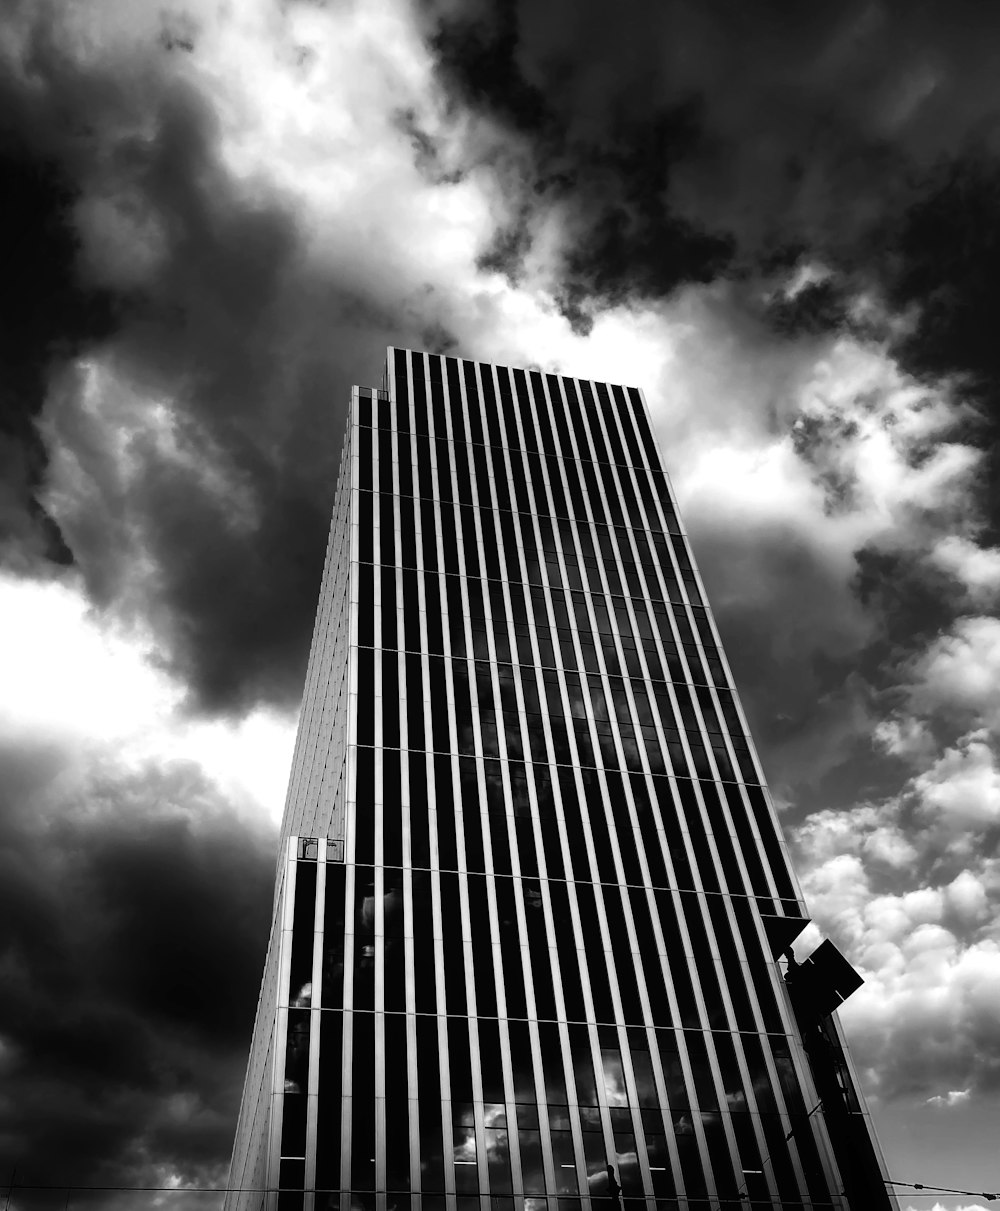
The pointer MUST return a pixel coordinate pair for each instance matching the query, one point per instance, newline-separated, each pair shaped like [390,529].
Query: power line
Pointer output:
[931,1190]
[38,1186]
[14,1185]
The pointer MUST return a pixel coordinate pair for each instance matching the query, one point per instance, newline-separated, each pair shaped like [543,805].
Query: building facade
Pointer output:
[532,892]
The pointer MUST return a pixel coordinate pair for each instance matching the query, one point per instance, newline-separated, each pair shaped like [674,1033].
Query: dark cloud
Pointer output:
[795,661]
[238,333]
[46,313]
[946,259]
[134,910]
[231,334]
[684,140]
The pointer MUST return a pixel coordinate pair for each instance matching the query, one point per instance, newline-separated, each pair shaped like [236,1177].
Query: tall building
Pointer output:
[532,893]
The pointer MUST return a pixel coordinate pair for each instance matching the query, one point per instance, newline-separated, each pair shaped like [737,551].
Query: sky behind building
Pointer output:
[216,219]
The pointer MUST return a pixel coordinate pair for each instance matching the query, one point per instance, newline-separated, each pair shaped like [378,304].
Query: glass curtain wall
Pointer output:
[537,973]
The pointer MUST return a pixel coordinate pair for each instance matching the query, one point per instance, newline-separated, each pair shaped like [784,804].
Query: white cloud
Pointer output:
[929,1010]
[967,896]
[954,1097]
[66,676]
[942,1207]
[976,568]
[905,736]
[961,790]
[84,686]
[960,673]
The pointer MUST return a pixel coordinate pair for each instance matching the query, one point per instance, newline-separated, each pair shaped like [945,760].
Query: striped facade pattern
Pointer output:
[528,854]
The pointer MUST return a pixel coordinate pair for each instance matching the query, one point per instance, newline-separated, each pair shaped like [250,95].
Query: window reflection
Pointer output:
[660,1170]
[429,1105]
[627,1158]
[333,937]
[563,1158]
[491,1067]
[466,1165]
[645,1081]
[364,938]
[363,1102]
[532,1169]
[297,1051]
[498,1160]
[595,1157]
[300,974]
[614,1076]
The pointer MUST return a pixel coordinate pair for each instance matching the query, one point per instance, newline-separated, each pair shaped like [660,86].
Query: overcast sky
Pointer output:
[778,219]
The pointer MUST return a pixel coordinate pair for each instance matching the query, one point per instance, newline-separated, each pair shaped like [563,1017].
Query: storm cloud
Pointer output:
[779,221]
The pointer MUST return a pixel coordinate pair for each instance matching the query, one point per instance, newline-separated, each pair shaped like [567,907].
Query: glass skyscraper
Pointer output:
[532,892]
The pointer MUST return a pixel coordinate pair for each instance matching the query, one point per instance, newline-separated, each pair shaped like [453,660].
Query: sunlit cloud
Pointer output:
[78,684]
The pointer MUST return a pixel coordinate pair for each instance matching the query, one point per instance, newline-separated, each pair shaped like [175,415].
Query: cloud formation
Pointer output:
[134,909]
[783,240]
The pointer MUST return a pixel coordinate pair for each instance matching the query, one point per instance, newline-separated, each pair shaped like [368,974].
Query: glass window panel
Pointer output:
[300,975]
[520,1061]
[293,1125]
[333,937]
[532,1168]
[552,1063]
[614,1077]
[704,1082]
[660,1169]
[363,1102]
[498,1160]
[297,1051]
[510,949]
[564,1161]
[645,1081]
[466,1164]
[482,951]
[364,938]
[583,1067]
[627,1158]
[392,810]
[397,1104]
[459,1060]
[686,1142]
[491,1067]
[423,943]
[429,1103]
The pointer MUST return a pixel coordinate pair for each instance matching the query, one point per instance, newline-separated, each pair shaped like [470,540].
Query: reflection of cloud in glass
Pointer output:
[465,1146]
[631,751]
[366,912]
[508,691]
[614,1077]
[430,1159]
[597,1182]
[532,896]
[629,1175]
[497,1145]
[392,906]
[297,1052]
